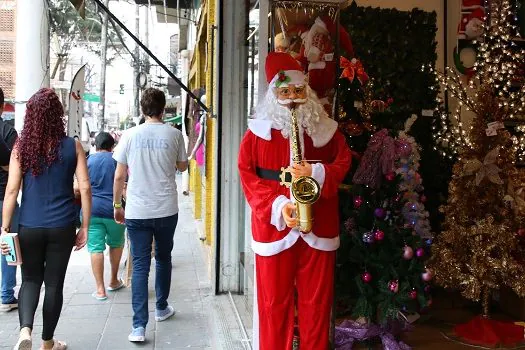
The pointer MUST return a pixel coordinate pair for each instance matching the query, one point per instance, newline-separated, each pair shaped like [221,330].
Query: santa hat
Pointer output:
[282,69]
[471,4]
[331,27]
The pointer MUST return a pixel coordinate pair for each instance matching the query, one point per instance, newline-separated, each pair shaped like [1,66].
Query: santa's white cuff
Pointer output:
[277,212]
[317,65]
[318,173]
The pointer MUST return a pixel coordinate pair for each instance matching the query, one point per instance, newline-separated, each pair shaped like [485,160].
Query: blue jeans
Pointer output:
[141,233]
[9,272]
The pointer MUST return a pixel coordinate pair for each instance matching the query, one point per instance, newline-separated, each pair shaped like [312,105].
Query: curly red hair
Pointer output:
[44,128]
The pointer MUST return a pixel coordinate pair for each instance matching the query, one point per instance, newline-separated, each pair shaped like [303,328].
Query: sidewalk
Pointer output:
[88,324]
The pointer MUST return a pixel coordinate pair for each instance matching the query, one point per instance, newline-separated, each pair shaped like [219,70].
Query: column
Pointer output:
[32,53]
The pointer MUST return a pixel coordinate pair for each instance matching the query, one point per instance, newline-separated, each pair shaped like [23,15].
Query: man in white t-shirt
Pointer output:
[152,152]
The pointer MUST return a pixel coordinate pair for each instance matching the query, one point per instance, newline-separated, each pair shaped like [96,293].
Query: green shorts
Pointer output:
[104,231]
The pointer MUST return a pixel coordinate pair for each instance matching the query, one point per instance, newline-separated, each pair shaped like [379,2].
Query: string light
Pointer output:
[495,71]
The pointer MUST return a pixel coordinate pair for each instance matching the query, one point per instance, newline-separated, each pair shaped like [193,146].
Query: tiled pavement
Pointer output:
[88,324]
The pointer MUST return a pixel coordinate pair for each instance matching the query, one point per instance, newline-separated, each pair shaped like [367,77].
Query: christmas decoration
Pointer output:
[366,277]
[412,294]
[477,251]
[358,200]
[408,253]
[368,237]
[393,286]
[380,213]
[379,235]
[427,275]
[420,252]
[390,176]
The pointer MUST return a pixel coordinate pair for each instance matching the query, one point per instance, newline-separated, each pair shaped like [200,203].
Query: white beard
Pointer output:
[308,114]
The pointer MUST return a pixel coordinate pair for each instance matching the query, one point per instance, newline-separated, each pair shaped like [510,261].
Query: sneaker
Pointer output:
[137,335]
[13,305]
[163,315]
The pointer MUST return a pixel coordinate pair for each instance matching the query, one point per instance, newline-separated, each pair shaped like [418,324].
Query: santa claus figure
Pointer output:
[287,259]
[472,22]
[319,55]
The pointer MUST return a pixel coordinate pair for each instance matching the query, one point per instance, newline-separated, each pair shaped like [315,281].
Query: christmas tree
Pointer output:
[481,247]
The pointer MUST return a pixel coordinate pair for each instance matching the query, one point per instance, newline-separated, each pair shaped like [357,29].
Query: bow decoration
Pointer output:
[516,198]
[282,79]
[487,169]
[352,69]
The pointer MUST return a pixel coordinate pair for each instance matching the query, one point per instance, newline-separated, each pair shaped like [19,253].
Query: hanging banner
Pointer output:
[76,105]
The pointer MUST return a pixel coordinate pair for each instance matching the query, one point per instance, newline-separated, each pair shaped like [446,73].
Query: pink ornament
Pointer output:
[420,252]
[429,302]
[521,232]
[427,275]
[358,200]
[366,277]
[379,235]
[408,253]
[423,198]
[412,294]
[390,176]
[393,286]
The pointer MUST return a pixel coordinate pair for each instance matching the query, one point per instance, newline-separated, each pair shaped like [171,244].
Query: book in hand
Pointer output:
[14,257]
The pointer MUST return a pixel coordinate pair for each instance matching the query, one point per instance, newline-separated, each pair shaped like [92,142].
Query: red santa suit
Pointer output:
[285,258]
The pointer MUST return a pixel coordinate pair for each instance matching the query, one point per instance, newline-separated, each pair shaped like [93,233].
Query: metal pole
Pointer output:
[146,39]
[136,68]
[103,62]
[145,48]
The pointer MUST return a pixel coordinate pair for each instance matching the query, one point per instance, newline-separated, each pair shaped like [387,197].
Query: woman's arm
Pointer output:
[11,192]
[84,186]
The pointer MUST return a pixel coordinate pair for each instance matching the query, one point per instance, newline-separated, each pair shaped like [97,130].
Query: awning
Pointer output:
[174,120]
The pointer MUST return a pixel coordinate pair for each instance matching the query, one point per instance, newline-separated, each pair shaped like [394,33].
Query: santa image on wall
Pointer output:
[286,259]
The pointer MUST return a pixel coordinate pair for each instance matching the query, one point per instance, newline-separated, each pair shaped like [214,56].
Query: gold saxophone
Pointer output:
[305,189]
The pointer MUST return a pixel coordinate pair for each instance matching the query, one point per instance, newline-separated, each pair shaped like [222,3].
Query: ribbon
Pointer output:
[350,331]
[353,68]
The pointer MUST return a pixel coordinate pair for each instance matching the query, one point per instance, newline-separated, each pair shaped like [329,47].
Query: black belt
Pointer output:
[269,174]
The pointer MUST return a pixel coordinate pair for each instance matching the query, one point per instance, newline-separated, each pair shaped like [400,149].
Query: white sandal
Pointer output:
[24,343]
[57,345]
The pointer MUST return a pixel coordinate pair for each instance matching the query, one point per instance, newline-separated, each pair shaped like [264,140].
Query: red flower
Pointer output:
[282,76]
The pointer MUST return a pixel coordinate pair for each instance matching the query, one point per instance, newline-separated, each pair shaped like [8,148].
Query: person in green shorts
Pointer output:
[103,230]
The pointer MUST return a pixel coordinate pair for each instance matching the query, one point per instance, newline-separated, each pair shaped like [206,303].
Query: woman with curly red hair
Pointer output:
[44,162]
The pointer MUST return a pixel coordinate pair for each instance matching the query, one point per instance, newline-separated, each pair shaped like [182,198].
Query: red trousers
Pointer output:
[309,270]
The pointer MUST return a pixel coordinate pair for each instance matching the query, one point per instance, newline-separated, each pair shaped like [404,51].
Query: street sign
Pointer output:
[91,98]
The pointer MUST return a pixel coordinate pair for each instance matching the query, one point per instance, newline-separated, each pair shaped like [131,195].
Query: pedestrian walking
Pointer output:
[43,163]
[103,230]
[152,151]
[8,137]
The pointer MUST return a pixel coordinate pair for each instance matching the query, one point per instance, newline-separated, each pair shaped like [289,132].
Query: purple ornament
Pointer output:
[358,200]
[420,252]
[368,237]
[366,277]
[380,213]
[427,288]
[408,253]
[379,235]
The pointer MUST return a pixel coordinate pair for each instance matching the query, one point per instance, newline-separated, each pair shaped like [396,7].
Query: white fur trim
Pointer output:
[277,219]
[296,77]
[318,173]
[325,130]
[317,65]
[321,24]
[261,128]
[273,248]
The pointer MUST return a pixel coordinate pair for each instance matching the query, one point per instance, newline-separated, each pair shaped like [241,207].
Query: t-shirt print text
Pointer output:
[151,143]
